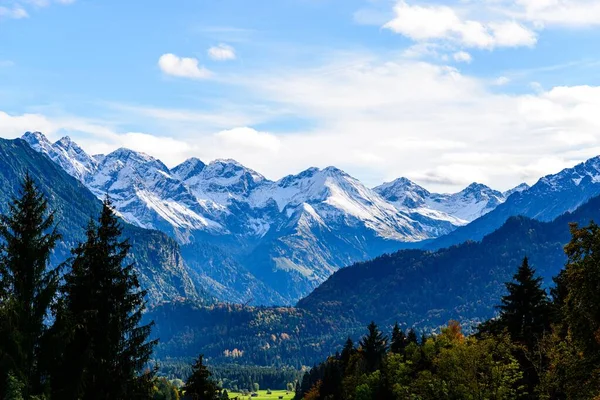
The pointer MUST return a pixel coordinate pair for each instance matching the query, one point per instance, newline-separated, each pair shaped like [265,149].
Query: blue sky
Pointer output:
[444,93]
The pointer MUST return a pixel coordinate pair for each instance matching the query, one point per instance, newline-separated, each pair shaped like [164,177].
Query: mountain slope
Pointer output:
[458,209]
[462,282]
[248,237]
[550,197]
[158,262]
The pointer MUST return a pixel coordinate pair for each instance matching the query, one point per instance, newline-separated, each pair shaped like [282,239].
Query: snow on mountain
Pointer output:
[65,153]
[458,208]
[552,196]
[290,234]
[338,198]
[146,194]
[469,204]
[221,181]
[517,189]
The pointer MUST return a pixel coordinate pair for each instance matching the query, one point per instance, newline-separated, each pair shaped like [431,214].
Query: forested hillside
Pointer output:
[157,257]
[464,282]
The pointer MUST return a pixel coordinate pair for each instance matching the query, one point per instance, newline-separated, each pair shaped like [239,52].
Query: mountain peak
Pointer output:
[124,154]
[403,193]
[65,141]
[517,189]
[36,139]
[189,168]
[476,187]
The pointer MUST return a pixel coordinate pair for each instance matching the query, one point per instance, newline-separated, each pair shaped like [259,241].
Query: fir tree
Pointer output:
[27,289]
[525,310]
[398,340]
[347,353]
[200,385]
[374,345]
[99,318]
[411,337]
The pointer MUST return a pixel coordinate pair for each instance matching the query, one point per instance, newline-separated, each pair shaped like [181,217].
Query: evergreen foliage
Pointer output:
[27,290]
[399,340]
[525,310]
[374,346]
[200,385]
[533,350]
[98,320]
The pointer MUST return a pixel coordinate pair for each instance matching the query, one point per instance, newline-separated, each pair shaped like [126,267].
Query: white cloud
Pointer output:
[249,139]
[500,81]
[377,119]
[13,12]
[222,52]
[441,22]
[19,9]
[566,13]
[462,56]
[428,122]
[182,67]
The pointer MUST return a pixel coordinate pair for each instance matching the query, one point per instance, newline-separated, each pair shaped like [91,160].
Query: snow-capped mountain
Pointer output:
[146,194]
[550,197]
[290,234]
[458,209]
[517,189]
[65,153]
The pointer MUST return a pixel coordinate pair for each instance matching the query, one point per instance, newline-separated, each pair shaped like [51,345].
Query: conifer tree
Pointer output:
[398,340]
[411,337]
[578,286]
[99,318]
[347,353]
[374,345]
[525,310]
[200,385]
[27,289]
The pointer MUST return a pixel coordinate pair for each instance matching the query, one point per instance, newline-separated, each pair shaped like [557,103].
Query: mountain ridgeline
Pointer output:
[157,257]
[249,239]
[463,282]
[550,197]
[420,289]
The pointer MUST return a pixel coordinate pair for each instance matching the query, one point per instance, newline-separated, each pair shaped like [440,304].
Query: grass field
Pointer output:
[262,395]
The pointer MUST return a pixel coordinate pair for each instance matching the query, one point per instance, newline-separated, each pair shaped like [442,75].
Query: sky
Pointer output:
[442,92]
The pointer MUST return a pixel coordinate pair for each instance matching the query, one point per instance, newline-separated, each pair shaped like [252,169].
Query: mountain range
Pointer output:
[157,258]
[221,232]
[248,238]
[418,289]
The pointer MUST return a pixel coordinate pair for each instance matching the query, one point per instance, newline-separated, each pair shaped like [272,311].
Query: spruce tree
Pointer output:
[398,343]
[411,337]
[374,346]
[27,289]
[99,318]
[525,310]
[578,289]
[398,340]
[200,385]
[347,353]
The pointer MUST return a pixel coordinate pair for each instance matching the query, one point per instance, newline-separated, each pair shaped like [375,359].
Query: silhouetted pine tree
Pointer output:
[399,341]
[411,337]
[99,319]
[200,385]
[525,310]
[27,290]
[347,353]
[374,345]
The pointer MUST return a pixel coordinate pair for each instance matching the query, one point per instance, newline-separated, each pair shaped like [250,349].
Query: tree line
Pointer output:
[75,332]
[542,345]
